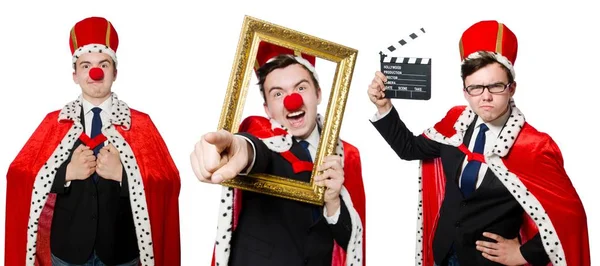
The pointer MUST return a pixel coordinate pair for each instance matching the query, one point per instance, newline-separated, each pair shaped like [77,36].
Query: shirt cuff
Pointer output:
[378,116]
[333,219]
[249,168]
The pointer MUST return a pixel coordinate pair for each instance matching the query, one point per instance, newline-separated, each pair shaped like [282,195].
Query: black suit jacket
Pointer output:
[90,217]
[276,231]
[491,208]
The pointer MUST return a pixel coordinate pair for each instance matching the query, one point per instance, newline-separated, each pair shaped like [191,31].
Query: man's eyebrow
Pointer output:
[274,88]
[295,85]
[300,82]
[88,62]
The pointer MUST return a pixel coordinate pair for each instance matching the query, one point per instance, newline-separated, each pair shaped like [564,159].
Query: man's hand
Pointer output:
[220,156]
[109,164]
[333,179]
[505,251]
[377,93]
[82,164]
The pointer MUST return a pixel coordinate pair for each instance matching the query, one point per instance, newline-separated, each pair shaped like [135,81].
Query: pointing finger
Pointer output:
[231,169]
[221,139]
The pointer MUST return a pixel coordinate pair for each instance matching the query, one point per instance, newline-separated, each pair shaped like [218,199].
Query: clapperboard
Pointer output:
[408,77]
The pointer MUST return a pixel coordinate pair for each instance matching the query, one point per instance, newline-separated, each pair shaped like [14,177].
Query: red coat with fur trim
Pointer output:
[30,206]
[530,165]
[278,140]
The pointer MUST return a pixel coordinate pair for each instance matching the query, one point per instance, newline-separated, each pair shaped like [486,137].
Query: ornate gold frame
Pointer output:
[254,31]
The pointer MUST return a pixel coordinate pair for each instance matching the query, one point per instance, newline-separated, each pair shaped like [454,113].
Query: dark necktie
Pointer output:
[316,211]
[96,130]
[471,171]
[304,145]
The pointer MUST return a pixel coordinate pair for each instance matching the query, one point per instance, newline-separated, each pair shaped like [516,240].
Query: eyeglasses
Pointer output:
[496,88]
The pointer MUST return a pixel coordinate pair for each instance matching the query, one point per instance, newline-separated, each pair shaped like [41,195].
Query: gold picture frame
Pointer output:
[253,32]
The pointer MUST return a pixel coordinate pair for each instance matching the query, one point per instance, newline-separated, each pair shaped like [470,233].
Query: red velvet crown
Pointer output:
[93,34]
[490,36]
[268,51]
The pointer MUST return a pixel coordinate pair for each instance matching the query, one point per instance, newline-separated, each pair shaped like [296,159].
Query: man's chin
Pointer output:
[298,132]
[97,94]
[488,117]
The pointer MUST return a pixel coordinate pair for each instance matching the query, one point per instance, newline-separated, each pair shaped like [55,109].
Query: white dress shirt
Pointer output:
[313,143]
[494,128]
[490,139]
[378,116]
[89,116]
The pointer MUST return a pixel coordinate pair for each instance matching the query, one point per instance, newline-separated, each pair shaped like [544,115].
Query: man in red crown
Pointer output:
[95,183]
[258,229]
[493,189]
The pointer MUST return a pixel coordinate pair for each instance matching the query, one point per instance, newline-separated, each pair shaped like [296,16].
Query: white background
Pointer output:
[176,57]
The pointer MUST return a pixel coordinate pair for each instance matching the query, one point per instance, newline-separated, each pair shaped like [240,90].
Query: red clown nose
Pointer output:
[293,102]
[96,73]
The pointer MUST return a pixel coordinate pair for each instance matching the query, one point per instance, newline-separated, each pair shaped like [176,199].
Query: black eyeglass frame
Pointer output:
[469,89]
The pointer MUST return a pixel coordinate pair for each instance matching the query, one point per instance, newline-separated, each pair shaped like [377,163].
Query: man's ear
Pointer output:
[319,96]
[75,76]
[267,109]
[513,88]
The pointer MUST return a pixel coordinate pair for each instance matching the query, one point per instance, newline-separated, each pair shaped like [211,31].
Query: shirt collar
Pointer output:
[105,106]
[313,138]
[496,125]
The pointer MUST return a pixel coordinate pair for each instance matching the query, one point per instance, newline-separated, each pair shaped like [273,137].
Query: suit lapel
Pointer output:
[82,118]
[459,157]
[487,180]
[292,218]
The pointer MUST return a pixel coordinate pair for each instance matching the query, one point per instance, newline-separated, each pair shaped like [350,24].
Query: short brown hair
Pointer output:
[473,65]
[281,61]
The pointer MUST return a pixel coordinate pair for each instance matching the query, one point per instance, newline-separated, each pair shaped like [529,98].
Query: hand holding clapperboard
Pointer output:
[408,77]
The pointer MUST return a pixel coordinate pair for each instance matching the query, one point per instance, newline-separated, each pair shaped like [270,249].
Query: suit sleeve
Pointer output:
[534,253]
[403,141]
[58,186]
[262,153]
[342,230]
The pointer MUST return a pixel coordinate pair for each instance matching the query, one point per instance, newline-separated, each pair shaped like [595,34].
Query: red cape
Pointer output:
[542,187]
[159,179]
[354,190]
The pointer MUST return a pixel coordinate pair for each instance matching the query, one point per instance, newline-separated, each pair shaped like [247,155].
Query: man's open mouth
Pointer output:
[296,119]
